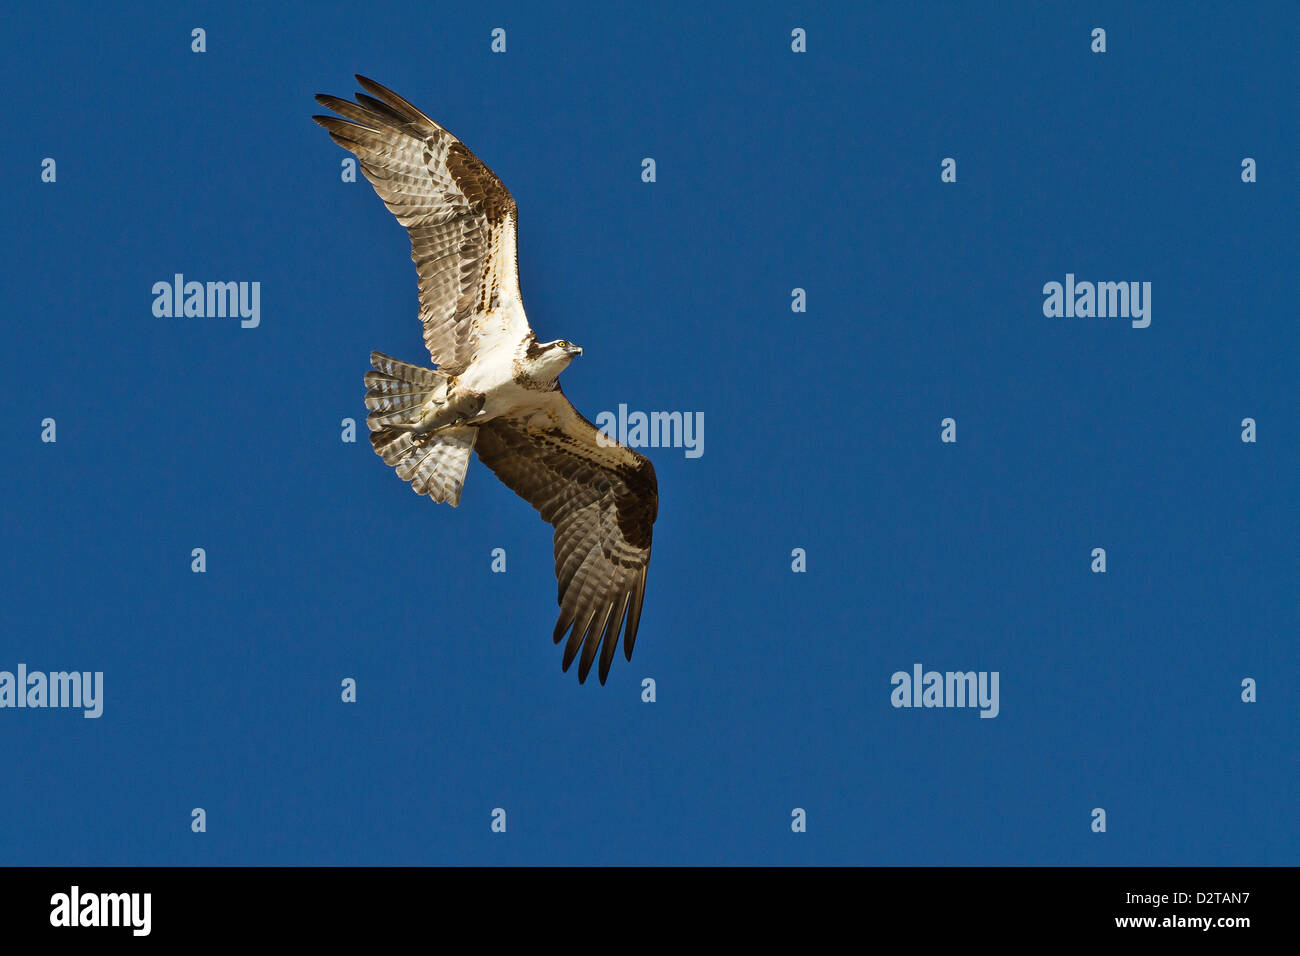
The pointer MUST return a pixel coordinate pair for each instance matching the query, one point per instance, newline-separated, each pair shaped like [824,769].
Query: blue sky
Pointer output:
[775,171]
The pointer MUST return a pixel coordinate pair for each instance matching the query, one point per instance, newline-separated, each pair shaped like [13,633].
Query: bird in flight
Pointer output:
[495,388]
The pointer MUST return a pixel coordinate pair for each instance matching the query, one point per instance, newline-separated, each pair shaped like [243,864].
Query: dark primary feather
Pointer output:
[602,501]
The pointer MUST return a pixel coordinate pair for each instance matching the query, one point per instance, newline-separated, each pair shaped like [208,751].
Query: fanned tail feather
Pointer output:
[434,463]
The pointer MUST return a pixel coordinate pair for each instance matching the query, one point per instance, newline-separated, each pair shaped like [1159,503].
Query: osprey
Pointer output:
[495,388]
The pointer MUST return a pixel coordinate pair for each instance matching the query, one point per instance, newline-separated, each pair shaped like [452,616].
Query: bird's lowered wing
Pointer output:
[460,217]
[602,499]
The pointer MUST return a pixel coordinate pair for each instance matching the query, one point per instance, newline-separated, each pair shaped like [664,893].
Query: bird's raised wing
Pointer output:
[460,217]
[602,499]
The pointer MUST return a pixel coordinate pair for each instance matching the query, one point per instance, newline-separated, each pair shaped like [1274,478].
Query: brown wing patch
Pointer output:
[479,185]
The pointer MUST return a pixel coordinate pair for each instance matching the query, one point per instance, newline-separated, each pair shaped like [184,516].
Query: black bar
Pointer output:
[370,904]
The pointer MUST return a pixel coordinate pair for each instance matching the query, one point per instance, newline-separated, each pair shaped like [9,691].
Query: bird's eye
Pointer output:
[563,344]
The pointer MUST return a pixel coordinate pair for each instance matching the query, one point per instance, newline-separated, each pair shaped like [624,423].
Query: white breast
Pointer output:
[492,374]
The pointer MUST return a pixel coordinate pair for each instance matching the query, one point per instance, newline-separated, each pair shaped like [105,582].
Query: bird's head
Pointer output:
[552,358]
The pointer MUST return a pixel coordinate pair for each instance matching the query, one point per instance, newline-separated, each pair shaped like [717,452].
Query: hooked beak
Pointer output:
[574,349]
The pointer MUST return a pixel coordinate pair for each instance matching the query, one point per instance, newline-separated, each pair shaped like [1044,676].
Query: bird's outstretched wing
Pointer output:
[602,499]
[460,217]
